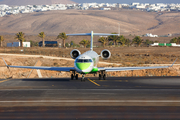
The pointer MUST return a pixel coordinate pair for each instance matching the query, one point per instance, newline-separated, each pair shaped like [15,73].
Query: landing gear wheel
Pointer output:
[72,76]
[99,76]
[76,76]
[104,76]
[83,79]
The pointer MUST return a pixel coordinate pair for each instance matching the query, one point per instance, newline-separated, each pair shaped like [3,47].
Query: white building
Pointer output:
[18,44]
[105,9]
[150,35]
[24,11]
[135,4]
[3,7]
[101,4]
[119,5]
[140,7]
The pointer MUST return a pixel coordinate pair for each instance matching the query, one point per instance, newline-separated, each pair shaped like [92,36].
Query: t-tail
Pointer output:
[92,34]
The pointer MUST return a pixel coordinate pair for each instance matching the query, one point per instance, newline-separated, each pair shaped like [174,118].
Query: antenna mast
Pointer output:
[119,29]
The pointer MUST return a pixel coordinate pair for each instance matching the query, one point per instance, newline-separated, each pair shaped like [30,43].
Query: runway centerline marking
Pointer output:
[93,82]
[4,81]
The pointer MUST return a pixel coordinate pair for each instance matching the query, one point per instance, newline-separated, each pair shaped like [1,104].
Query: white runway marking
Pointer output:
[94,101]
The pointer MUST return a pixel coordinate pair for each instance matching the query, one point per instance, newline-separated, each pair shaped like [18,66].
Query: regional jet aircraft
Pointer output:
[86,63]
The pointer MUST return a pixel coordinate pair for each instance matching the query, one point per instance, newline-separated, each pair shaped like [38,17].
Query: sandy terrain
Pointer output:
[73,21]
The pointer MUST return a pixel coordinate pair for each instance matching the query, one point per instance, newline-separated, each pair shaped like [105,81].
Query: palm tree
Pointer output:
[148,42]
[128,42]
[174,40]
[113,38]
[103,40]
[122,40]
[84,42]
[137,40]
[178,41]
[1,39]
[62,36]
[20,37]
[42,35]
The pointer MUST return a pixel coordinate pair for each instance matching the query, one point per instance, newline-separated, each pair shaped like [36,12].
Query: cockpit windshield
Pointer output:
[83,60]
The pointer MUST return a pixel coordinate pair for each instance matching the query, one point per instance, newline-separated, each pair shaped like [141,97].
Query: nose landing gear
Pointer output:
[75,76]
[83,78]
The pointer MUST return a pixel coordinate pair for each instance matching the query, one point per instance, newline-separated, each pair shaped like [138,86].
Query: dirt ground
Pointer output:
[126,56]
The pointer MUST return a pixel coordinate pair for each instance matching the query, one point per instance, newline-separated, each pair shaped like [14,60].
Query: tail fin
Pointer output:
[92,34]
[91,48]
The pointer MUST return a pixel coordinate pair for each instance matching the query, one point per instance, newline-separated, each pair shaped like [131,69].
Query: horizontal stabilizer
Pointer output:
[89,34]
[79,34]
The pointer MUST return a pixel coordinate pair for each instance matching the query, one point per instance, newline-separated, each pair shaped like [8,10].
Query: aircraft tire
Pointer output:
[104,76]
[72,76]
[76,76]
[99,76]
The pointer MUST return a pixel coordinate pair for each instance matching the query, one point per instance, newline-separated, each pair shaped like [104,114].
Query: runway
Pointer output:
[116,97]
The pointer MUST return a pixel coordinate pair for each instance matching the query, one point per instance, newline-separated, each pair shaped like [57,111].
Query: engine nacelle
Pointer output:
[75,53]
[105,54]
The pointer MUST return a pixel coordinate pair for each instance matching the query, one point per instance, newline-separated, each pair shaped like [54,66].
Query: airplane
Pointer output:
[86,63]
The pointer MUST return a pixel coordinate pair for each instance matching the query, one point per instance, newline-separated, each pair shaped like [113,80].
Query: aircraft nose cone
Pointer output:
[83,66]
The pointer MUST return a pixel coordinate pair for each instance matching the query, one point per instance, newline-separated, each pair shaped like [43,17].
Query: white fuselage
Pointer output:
[86,62]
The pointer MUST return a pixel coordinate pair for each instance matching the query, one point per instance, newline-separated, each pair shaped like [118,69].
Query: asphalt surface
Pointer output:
[114,98]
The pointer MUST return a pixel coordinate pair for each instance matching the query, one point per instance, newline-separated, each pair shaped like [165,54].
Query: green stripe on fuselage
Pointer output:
[83,66]
[94,70]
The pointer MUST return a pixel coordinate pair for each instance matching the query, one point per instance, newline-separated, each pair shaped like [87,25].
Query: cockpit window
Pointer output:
[79,60]
[83,60]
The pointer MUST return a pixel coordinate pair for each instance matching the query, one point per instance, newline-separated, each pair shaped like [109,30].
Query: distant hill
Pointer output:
[35,2]
[132,22]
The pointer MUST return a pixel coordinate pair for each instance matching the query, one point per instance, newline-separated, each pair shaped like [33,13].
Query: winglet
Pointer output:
[6,63]
[173,62]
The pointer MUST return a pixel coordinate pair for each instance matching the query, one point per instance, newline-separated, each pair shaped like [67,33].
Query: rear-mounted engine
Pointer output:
[105,54]
[75,53]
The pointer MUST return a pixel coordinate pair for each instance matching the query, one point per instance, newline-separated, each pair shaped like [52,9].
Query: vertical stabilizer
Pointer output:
[91,48]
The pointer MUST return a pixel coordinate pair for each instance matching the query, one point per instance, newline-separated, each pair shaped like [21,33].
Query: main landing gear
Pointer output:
[102,74]
[74,75]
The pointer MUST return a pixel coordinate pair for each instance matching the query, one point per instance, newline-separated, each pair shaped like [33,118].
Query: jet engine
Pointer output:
[75,53]
[105,54]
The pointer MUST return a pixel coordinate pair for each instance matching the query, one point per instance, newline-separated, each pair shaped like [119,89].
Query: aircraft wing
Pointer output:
[66,69]
[113,69]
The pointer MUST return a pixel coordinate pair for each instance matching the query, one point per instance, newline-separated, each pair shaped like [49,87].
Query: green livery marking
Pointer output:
[83,66]
[94,70]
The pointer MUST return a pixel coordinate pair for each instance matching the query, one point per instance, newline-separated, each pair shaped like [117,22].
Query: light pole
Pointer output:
[119,29]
